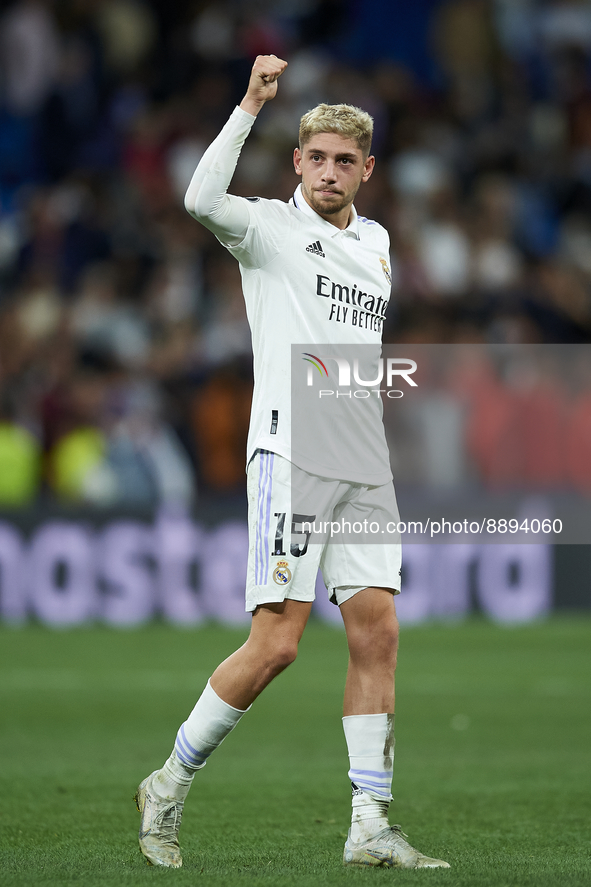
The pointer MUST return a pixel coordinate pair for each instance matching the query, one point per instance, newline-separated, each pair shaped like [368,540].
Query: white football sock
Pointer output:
[370,741]
[206,727]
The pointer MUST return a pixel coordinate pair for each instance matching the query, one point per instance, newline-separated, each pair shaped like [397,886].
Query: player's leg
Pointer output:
[372,636]
[364,577]
[271,646]
[279,592]
[368,711]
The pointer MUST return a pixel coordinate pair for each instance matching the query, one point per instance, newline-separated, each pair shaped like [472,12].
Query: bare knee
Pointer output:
[375,641]
[282,655]
[275,634]
[391,633]
[272,656]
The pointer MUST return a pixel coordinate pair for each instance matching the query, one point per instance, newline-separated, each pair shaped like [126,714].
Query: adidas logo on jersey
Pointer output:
[316,248]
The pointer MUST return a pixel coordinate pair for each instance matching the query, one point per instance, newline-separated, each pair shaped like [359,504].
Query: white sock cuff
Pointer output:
[370,741]
[367,735]
[213,696]
[206,727]
[212,718]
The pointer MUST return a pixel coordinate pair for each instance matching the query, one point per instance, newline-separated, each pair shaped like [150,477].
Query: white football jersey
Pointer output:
[308,284]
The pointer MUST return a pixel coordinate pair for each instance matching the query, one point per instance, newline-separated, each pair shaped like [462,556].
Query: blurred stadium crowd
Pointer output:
[125,372]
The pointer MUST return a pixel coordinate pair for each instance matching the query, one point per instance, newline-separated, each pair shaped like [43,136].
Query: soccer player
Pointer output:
[313,272]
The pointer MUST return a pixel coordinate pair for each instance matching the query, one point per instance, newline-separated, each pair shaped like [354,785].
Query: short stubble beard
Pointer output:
[326,207]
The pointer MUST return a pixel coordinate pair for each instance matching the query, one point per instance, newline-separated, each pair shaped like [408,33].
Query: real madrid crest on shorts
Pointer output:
[282,573]
[386,271]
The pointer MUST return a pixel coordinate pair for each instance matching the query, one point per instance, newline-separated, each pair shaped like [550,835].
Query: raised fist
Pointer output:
[262,85]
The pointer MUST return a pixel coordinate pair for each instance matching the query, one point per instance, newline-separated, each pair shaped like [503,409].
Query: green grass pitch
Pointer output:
[492,771]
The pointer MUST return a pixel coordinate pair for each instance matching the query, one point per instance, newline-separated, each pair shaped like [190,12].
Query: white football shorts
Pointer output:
[356,524]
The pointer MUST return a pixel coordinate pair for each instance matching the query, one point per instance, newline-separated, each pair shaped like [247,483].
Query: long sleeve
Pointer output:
[207,199]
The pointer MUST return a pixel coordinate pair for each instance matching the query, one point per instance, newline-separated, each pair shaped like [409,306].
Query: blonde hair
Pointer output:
[345,120]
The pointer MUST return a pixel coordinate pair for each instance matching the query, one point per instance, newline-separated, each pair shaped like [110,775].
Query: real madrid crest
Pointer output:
[386,271]
[282,573]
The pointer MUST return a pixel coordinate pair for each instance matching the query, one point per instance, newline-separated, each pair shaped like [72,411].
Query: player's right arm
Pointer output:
[207,199]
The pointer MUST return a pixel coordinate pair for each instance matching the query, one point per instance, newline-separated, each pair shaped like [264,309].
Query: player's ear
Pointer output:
[297,161]
[368,168]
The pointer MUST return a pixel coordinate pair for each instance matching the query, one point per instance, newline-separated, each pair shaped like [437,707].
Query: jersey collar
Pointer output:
[352,229]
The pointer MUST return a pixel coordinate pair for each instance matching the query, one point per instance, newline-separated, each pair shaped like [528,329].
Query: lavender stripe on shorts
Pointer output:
[264,518]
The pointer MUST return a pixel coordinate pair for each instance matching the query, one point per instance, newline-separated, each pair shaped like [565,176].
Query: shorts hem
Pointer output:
[251,604]
[347,592]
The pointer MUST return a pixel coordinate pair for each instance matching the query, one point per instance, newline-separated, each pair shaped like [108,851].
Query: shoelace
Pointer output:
[168,821]
[398,830]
